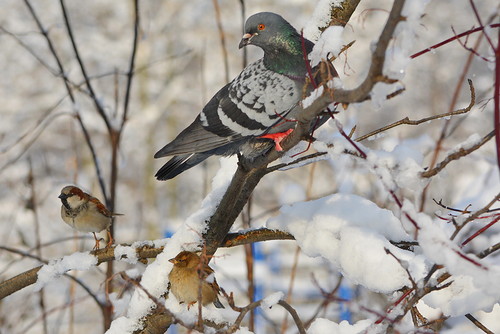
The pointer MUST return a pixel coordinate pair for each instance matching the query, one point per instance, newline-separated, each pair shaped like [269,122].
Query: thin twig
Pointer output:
[475,215]
[131,68]
[444,131]
[451,39]
[33,205]
[456,155]
[408,121]
[97,104]
[489,250]
[480,231]
[295,316]
[478,324]
[478,18]
[52,49]
[222,38]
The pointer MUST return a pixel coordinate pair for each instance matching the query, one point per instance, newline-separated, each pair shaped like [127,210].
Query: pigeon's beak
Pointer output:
[245,40]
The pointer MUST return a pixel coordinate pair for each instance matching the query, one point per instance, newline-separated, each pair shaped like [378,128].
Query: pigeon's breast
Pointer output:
[262,98]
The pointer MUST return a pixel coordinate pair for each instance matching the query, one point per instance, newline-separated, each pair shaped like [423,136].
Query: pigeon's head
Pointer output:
[268,31]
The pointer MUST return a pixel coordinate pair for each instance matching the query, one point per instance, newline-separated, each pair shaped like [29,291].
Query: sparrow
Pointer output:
[188,273]
[256,109]
[85,213]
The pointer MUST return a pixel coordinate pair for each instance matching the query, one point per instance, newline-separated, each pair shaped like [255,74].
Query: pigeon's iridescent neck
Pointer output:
[288,57]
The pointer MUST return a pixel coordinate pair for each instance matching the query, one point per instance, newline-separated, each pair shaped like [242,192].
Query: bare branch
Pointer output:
[451,39]
[222,38]
[408,121]
[475,215]
[98,105]
[52,48]
[478,323]
[456,155]
[29,277]
[489,250]
[295,316]
[131,69]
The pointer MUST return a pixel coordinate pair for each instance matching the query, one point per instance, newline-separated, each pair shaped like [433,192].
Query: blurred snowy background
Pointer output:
[180,65]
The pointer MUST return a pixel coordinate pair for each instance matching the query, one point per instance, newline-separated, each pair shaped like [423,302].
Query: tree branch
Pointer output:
[462,152]
[29,277]
[408,121]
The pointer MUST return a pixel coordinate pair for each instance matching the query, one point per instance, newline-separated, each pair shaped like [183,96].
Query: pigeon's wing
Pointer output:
[255,101]
[204,134]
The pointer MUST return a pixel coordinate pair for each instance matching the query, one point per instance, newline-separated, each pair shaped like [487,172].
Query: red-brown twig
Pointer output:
[481,230]
[451,39]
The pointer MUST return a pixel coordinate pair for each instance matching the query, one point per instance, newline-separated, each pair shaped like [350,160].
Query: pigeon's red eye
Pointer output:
[261,26]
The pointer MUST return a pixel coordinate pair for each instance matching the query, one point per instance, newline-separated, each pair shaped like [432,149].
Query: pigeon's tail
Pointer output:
[179,164]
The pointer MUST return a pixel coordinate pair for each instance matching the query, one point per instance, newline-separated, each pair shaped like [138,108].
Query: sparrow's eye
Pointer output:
[261,26]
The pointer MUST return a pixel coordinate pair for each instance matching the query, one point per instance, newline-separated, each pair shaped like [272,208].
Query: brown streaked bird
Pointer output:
[186,277]
[85,213]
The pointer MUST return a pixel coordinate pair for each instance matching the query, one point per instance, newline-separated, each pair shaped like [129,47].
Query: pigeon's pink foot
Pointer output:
[277,138]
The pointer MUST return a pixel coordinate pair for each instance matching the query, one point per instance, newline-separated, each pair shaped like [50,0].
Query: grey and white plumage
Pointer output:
[255,103]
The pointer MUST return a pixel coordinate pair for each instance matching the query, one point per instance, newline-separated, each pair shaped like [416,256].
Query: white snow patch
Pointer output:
[473,139]
[321,326]
[76,261]
[329,44]
[272,299]
[475,281]
[126,253]
[312,97]
[187,237]
[320,19]
[351,232]
[123,325]
[243,330]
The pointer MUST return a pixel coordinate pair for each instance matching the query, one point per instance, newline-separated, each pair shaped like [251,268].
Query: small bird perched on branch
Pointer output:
[188,275]
[85,213]
[254,110]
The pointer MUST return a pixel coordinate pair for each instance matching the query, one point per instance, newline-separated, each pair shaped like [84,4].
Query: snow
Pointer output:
[475,282]
[329,45]
[473,139]
[462,297]
[321,326]
[320,19]
[187,237]
[50,272]
[272,300]
[126,253]
[353,234]
[308,101]
[123,325]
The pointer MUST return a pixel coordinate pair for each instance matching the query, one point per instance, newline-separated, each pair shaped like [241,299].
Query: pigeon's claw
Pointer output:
[277,138]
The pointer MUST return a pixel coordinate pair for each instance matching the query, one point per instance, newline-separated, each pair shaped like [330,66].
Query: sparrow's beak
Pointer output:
[245,40]
[174,261]
[63,196]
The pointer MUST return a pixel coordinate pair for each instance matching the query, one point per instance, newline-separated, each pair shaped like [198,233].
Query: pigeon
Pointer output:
[254,112]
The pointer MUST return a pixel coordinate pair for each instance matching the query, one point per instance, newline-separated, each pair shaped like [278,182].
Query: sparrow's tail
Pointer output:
[179,164]
[218,304]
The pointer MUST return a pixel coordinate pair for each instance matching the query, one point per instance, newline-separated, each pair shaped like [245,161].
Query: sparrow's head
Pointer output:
[186,259]
[73,197]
